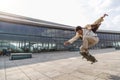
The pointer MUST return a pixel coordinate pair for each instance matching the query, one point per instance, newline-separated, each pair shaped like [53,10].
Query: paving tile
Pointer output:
[100,79]
[12,69]
[105,76]
[45,78]
[88,71]
[17,76]
[33,75]
[83,76]
[2,74]
[66,77]
[52,73]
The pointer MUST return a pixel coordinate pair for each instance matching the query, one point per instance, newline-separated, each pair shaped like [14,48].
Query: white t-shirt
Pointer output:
[87,32]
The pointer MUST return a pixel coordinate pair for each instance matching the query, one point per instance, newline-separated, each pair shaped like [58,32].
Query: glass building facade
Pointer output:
[21,36]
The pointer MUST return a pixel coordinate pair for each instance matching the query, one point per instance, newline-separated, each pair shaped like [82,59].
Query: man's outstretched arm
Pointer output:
[72,40]
[101,19]
[97,23]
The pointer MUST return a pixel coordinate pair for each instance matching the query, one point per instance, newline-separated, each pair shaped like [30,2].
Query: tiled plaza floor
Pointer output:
[62,66]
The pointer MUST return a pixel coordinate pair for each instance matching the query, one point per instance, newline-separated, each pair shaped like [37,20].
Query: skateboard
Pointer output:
[88,57]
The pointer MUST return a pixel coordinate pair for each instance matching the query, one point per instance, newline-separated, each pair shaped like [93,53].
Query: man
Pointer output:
[88,36]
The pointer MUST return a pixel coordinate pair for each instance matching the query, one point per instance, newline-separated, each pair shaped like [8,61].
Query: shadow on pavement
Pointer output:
[114,77]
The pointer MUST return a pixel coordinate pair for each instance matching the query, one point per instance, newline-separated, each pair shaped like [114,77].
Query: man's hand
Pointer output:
[66,43]
[105,15]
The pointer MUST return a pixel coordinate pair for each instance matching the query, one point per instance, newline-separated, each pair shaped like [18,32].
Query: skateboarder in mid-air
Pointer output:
[89,38]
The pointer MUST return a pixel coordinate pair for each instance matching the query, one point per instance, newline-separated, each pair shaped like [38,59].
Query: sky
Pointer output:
[68,12]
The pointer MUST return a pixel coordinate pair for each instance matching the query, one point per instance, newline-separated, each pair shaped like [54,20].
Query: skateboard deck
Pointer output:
[88,57]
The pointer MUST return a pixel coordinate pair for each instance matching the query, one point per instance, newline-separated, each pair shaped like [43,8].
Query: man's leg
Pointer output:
[84,49]
[87,42]
[91,42]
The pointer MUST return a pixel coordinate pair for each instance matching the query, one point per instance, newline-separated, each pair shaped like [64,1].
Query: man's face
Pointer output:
[80,32]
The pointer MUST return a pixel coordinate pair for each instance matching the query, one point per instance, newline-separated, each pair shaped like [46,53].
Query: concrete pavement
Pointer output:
[62,66]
